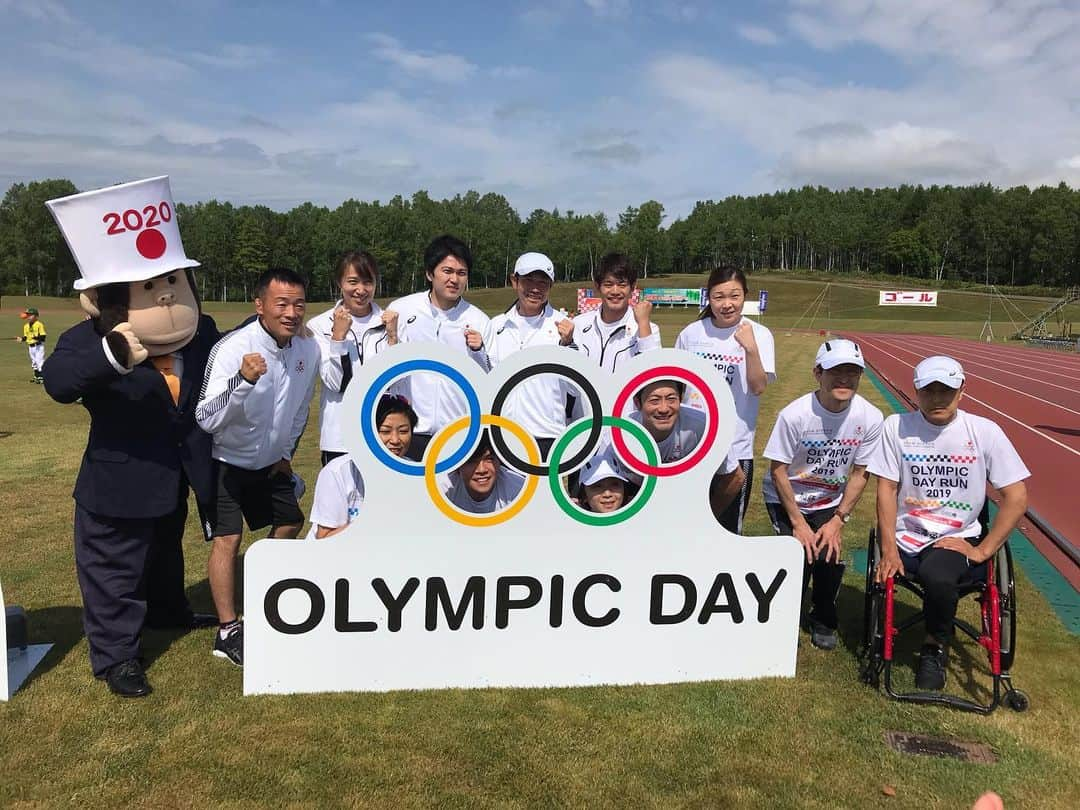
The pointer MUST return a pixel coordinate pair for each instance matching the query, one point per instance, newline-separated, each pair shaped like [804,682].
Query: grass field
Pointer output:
[812,741]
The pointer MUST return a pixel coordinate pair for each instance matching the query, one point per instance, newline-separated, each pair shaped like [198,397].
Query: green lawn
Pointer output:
[815,740]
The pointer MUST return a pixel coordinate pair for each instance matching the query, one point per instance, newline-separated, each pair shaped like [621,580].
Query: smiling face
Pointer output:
[449,280]
[659,403]
[395,431]
[163,312]
[479,474]
[357,291]
[938,402]
[726,302]
[606,495]
[532,292]
[837,385]
[614,296]
[281,310]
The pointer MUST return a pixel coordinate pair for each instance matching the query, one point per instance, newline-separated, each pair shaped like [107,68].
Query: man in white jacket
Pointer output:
[617,331]
[441,315]
[540,404]
[254,402]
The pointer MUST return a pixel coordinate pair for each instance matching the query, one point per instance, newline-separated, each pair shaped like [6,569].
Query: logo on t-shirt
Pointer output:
[300,366]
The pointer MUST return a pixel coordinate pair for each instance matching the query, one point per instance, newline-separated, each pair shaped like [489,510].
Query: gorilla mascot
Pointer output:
[136,364]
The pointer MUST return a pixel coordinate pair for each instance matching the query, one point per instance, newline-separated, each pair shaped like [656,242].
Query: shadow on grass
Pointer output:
[60,626]
[156,642]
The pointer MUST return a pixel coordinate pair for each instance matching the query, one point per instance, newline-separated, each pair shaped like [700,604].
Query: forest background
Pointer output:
[941,236]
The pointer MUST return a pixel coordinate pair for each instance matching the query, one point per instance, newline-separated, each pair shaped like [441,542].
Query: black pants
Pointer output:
[131,573]
[732,517]
[825,576]
[942,572]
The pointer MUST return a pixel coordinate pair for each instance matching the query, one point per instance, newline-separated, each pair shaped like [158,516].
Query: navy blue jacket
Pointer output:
[140,443]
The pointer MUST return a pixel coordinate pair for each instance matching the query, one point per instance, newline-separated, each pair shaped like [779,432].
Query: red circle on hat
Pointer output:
[150,243]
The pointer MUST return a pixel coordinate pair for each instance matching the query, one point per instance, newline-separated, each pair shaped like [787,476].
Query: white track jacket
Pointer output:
[607,344]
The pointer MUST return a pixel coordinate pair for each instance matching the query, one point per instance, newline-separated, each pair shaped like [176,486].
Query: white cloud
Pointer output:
[234,56]
[608,8]
[758,34]
[46,11]
[440,67]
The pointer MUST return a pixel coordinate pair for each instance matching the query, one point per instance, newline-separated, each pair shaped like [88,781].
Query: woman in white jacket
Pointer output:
[354,329]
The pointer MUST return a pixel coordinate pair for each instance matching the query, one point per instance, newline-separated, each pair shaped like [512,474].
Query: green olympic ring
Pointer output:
[625,512]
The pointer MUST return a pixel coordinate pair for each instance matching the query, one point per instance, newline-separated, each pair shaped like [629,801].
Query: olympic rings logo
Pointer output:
[650,469]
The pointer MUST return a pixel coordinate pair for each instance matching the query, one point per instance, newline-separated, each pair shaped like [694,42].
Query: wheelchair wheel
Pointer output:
[873,619]
[1016,700]
[1003,574]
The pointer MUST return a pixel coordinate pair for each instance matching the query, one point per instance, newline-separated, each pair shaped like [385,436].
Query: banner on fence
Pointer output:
[907,298]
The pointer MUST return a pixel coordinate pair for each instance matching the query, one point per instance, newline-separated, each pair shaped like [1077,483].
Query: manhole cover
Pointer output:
[907,743]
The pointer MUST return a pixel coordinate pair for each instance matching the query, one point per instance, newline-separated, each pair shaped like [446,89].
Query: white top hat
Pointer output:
[602,465]
[122,233]
[839,352]
[532,262]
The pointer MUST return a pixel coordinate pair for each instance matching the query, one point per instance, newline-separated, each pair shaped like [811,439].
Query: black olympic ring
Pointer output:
[583,384]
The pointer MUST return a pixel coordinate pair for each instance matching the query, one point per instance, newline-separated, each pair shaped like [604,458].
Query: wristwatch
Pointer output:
[844,516]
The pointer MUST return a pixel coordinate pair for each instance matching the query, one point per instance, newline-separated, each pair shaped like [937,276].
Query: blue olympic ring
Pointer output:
[376,446]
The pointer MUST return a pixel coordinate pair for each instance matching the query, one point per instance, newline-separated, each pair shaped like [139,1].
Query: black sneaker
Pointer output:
[822,637]
[232,646]
[933,660]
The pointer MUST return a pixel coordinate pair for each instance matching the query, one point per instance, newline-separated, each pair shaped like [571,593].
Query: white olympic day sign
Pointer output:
[415,594]
[907,298]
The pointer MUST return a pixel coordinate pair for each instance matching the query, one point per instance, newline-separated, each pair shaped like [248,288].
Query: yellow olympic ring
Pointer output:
[532,450]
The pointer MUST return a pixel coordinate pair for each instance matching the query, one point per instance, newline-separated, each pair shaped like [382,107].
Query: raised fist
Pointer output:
[252,367]
[389,319]
[342,323]
[642,312]
[744,335]
[473,339]
[566,331]
[136,353]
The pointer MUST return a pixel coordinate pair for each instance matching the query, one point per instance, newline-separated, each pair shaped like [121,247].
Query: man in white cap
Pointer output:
[932,466]
[540,404]
[819,449]
[441,314]
[135,364]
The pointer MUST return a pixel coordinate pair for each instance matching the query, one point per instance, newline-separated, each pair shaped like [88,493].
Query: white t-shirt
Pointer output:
[339,491]
[720,348]
[508,484]
[942,473]
[820,448]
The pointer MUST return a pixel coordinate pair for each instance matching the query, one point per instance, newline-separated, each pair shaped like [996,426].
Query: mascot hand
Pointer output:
[126,347]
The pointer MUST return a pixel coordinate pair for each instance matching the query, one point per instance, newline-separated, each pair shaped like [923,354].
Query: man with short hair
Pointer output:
[34,337]
[617,331]
[541,403]
[482,484]
[819,449]
[932,466]
[441,315]
[254,402]
[678,431]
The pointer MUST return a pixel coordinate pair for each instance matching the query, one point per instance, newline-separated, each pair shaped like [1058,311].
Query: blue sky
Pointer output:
[590,105]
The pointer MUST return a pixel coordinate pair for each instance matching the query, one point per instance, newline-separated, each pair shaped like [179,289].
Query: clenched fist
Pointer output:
[642,312]
[136,353]
[342,323]
[566,331]
[252,367]
[389,319]
[744,336]
[473,339]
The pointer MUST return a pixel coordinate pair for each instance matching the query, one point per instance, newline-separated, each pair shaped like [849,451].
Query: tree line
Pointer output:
[978,233]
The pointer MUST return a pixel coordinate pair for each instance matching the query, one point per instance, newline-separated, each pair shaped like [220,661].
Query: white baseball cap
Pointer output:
[835,353]
[122,233]
[939,368]
[532,262]
[602,465]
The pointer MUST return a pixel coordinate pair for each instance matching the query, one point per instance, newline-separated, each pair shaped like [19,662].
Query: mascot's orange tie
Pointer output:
[164,364]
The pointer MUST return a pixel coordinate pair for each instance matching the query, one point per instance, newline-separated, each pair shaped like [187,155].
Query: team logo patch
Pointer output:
[300,366]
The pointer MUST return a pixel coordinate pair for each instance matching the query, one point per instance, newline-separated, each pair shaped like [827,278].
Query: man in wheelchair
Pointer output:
[932,466]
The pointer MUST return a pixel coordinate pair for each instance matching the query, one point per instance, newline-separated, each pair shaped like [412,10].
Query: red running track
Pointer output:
[1033,394]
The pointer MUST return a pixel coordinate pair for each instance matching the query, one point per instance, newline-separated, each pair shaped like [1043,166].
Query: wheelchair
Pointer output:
[996,594]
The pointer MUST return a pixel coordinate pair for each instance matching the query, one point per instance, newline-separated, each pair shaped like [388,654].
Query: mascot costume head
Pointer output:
[126,243]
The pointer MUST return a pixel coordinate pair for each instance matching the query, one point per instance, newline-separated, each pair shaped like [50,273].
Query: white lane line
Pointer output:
[966,361]
[982,355]
[999,384]
[987,406]
[1055,359]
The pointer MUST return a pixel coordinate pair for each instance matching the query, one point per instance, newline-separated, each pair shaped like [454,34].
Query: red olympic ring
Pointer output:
[644,378]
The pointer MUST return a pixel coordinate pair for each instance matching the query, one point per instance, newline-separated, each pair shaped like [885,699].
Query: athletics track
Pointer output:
[1034,394]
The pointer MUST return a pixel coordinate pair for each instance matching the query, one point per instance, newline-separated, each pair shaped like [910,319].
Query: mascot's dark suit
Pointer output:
[136,365]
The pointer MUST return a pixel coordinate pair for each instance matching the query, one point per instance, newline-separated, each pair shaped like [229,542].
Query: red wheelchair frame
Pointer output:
[997,598]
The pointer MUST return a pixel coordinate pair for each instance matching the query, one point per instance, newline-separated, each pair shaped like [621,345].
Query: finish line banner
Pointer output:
[902,298]
[417,593]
